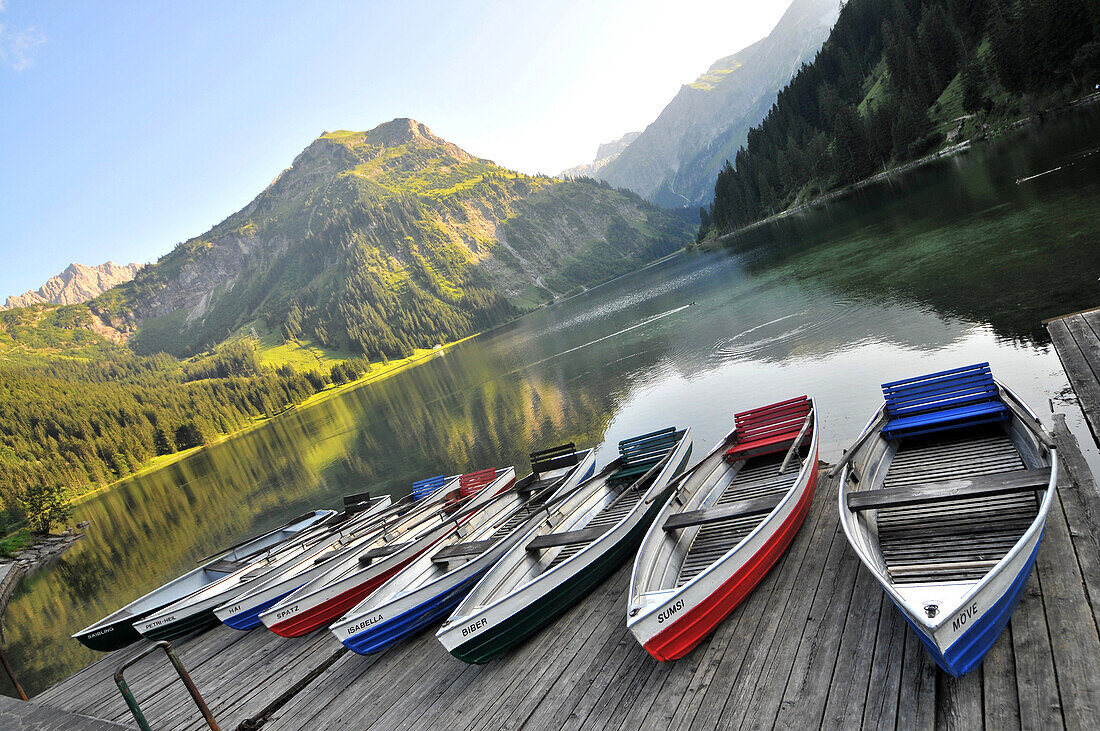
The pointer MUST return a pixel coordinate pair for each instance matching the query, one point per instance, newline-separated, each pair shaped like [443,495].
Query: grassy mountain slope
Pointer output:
[383,241]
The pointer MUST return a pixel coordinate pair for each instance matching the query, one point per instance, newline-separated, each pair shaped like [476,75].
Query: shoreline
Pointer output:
[325,394]
[949,151]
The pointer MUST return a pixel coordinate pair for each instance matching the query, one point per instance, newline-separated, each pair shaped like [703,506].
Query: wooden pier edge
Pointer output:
[815,645]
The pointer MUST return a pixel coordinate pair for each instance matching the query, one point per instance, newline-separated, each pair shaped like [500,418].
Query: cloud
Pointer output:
[17,46]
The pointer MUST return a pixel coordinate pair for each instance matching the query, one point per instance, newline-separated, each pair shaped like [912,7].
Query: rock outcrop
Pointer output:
[78,283]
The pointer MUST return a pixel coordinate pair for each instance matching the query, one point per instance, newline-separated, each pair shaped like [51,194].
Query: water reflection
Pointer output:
[831,303]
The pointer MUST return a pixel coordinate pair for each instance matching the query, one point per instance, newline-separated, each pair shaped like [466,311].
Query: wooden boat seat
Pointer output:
[638,454]
[472,482]
[224,566]
[1001,483]
[944,400]
[739,509]
[566,538]
[423,488]
[768,429]
[475,548]
[381,552]
[555,458]
[356,503]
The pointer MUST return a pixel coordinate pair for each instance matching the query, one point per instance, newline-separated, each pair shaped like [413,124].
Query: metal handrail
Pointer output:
[131,701]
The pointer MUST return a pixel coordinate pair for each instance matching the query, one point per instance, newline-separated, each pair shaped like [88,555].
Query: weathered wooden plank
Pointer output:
[1036,683]
[1081,501]
[849,681]
[1081,376]
[17,715]
[917,689]
[764,664]
[1074,641]
[1001,483]
[880,710]
[959,702]
[565,538]
[795,657]
[609,618]
[1000,700]
[706,516]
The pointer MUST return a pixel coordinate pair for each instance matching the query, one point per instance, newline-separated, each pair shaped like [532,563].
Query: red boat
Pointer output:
[355,576]
[729,520]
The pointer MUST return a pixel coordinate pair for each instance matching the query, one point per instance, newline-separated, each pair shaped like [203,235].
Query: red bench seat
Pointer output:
[768,429]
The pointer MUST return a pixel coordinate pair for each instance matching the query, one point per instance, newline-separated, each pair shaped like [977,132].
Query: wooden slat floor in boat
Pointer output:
[816,644]
[962,531]
[759,477]
[609,516]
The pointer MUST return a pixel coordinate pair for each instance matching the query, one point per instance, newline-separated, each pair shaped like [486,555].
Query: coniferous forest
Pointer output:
[899,79]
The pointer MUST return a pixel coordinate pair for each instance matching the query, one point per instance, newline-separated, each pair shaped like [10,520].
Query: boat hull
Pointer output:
[386,634]
[249,618]
[709,607]
[970,648]
[170,630]
[112,637]
[517,626]
[322,613]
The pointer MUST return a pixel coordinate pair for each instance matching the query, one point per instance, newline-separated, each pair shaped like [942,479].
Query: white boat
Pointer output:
[243,611]
[429,588]
[359,573]
[944,497]
[726,524]
[587,536]
[196,611]
[116,630]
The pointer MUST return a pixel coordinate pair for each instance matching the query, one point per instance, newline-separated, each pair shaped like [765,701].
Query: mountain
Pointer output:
[379,242]
[898,80]
[605,153]
[675,160]
[78,283]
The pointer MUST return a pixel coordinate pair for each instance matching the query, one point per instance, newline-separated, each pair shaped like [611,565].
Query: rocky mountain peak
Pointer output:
[77,283]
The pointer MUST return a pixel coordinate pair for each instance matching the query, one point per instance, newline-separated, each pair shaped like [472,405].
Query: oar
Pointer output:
[848,454]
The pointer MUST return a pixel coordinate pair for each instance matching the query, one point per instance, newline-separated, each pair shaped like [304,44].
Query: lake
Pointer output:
[956,262]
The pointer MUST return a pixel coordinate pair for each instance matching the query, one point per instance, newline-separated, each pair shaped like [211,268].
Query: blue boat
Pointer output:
[429,589]
[944,497]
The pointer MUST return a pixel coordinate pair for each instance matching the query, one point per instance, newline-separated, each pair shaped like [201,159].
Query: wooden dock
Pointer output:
[1076,339]
[816,644]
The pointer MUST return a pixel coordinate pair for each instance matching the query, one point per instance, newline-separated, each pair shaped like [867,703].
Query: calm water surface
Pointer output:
[951,264]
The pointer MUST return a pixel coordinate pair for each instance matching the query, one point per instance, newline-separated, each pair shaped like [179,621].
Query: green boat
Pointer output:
[586,535]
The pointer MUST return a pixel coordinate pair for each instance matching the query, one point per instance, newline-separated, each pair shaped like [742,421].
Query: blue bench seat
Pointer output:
[939,401]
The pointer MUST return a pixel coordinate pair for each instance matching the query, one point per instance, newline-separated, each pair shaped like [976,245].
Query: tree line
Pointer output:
[68,424]
[863,104]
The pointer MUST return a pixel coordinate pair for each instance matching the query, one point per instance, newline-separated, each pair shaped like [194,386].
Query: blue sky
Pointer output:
[127,127]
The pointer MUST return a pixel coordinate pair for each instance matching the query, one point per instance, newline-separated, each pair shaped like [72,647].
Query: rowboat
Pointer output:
[944,497]
[428,589]
[729,520]
[116,630]
[358,574]
[243,611]
[590,533]
[196,611]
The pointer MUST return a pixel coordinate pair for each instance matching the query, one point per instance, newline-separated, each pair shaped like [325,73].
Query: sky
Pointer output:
[127,127]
